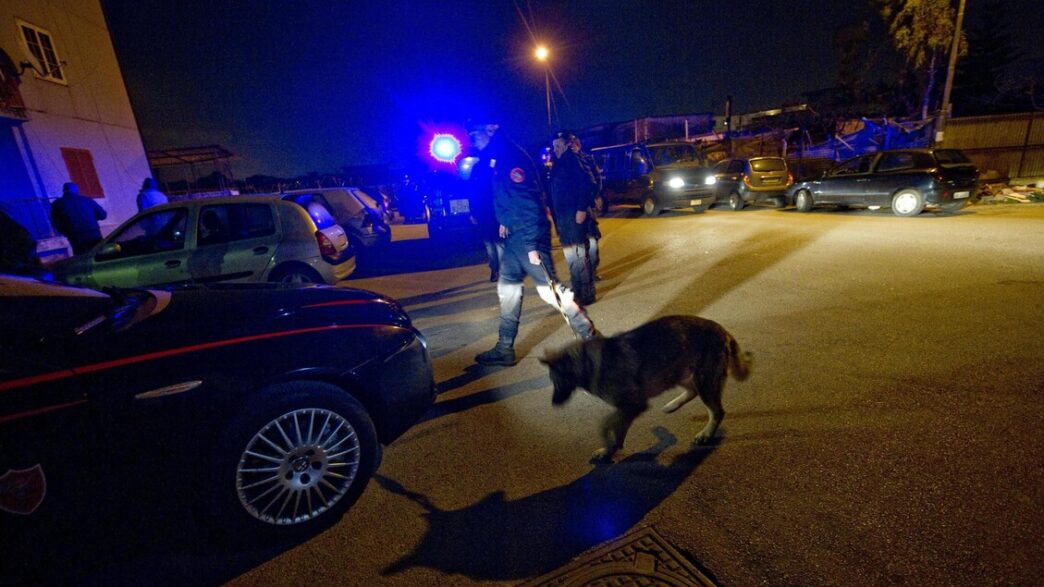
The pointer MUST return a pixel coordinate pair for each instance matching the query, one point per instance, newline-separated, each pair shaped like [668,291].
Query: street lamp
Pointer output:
[542,54]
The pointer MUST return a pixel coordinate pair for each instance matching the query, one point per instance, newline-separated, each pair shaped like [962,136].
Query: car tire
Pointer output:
[952,207]
[779,202]
[907,203]
[292,463]
[295,273]
[803,201]
[650,207]
[736,202]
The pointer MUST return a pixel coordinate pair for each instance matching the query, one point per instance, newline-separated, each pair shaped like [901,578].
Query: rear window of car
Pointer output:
[316,209]
[945,156]
[773,164]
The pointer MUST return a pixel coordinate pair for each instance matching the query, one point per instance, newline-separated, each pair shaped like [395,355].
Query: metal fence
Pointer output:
[1003,146]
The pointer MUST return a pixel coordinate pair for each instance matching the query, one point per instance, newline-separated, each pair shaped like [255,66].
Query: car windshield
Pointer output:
[668,154]
[769,164]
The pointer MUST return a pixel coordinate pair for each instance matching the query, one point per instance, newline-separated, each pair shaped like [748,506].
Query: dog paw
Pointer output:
[703,439]
[602,455]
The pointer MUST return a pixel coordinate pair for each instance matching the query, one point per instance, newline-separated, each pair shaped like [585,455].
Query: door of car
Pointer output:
[729,175]
[148,251]
[234,242]
[844,183]
[893,171]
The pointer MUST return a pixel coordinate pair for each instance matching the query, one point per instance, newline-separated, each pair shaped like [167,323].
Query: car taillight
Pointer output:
[326,246]
[790,178]
[746,180]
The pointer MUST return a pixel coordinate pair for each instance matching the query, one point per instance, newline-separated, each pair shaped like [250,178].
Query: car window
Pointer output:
[721,166]
[365,198]
[945,156]
[232,222]
[895,162]
[736,166]
[852,166]
[317,207]
[156,232]
[771,164]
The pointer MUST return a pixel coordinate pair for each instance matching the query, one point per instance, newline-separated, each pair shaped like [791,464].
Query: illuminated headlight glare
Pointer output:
[710,180]
[676,182]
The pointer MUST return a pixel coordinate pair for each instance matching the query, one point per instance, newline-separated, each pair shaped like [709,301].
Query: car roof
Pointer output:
[215,200]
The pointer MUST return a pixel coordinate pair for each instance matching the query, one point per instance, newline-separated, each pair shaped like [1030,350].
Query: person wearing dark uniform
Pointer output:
[76,217]
[598,204]
[484,219]
[570,203]
[520,211]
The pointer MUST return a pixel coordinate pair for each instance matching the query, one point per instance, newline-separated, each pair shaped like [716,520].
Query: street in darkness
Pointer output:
[890,432]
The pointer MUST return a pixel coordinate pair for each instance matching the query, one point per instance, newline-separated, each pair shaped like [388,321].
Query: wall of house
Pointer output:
[92,111]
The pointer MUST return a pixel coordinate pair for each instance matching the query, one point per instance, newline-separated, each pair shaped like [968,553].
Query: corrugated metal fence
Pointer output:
[1003,146]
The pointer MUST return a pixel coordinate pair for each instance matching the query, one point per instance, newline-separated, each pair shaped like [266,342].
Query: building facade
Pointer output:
[64,116]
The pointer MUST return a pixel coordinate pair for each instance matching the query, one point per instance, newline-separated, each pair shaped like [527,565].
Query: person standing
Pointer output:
[521,214]
[571,203]
[150,195]
[598,204]
[76,217]
[484,219]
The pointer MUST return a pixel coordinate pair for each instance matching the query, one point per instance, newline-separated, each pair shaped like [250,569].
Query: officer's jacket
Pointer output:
[518,199]
[571,189]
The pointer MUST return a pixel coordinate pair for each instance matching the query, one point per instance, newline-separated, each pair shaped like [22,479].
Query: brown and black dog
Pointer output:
[627,369]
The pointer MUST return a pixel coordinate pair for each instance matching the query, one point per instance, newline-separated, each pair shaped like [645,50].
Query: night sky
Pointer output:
[292,87]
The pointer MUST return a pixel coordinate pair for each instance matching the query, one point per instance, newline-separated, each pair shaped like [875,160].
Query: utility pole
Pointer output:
[940,126]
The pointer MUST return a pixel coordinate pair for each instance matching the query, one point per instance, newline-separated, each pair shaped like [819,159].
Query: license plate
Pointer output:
[459,207]
[695,202]
[959,195]
[771,180]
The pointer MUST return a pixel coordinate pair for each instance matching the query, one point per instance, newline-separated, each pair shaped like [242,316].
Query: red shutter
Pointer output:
[81,170]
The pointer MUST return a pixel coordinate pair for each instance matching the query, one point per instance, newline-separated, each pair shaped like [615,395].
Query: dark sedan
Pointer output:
[266,406]
[906,181]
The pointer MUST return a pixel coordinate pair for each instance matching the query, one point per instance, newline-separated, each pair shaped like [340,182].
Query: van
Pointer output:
[658,176]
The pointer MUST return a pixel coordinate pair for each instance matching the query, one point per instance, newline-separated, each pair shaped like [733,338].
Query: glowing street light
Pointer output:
[542,53]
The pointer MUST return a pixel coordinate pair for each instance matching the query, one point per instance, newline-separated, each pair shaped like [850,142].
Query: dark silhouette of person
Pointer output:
[76,217]
[17,248]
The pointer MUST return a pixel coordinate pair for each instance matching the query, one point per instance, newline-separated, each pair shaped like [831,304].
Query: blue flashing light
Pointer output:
[445,147]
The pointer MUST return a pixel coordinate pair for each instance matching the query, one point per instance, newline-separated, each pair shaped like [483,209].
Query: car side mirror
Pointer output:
[108,251]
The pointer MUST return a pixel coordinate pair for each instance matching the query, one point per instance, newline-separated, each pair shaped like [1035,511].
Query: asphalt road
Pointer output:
[891,432]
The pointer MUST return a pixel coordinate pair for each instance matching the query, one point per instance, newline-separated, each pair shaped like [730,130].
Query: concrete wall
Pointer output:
[91,111]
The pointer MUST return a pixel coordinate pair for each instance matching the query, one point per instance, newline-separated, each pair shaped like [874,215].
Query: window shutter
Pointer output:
[80,165]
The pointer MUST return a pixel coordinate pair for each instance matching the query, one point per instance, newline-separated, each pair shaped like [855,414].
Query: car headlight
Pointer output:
[676,182]
[710,180]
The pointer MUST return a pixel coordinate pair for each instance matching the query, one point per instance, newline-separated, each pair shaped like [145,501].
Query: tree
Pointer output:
[922,32]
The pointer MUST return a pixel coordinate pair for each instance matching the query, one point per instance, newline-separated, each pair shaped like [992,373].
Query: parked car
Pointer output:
[264,406]
[905,180]
[743,180]
[358,213]
[659,176]
[236,239]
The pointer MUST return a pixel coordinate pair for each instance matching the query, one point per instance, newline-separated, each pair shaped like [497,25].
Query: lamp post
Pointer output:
[542,54]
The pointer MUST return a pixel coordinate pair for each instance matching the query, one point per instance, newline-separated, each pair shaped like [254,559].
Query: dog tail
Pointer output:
[740,363]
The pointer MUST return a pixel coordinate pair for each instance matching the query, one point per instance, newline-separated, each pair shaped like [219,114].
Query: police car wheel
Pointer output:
[292,463]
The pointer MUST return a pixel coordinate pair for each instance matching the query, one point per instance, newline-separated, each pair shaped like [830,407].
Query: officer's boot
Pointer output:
[502,354]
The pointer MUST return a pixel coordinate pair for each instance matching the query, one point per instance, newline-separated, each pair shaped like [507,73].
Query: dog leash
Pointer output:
[558,300]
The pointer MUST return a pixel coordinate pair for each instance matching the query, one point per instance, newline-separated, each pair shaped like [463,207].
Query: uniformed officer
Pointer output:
[518,203]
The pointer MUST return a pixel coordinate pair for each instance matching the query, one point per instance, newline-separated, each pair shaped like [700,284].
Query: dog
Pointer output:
[628,369]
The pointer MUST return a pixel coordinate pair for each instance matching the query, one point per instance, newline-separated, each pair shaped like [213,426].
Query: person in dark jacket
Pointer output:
[482,216]
[150,195]
[570,203]
[17,248]
[598,204]
[521,213]
[76,217]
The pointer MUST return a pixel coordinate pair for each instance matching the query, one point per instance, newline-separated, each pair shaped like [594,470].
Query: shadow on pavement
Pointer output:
[422,254]
[497,539]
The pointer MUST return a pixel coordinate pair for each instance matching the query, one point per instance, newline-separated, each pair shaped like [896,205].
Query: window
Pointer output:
[770,164]
[44,56]
[80,165]
[853,166]
[232,222]
[157,232]
[895,162]
[736,166]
